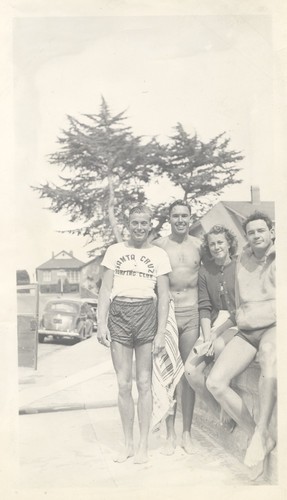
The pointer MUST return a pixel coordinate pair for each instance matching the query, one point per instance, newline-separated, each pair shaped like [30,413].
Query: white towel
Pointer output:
[167,372]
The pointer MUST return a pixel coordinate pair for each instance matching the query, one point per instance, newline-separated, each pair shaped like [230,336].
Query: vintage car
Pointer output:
[94,305]
[73,318]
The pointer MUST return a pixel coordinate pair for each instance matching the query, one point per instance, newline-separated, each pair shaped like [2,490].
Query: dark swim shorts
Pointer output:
[132,323]
[254,337]
[187,319]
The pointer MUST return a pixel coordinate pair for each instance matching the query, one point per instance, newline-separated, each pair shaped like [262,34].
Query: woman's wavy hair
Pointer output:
[229,235]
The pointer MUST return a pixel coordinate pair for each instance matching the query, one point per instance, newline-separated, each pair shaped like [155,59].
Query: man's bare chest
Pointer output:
[184,257]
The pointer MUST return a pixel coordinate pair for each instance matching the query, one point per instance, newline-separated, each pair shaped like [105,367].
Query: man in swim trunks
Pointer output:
[184,252]
[256,321]
[131,319]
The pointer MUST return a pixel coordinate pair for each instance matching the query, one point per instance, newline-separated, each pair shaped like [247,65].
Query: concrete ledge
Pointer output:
[246,385]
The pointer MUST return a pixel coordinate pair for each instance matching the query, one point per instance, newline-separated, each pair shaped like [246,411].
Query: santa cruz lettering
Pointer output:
[125,258]
[148,263]
[132,258]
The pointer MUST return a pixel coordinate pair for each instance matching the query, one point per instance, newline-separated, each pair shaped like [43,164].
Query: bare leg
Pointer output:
[170,443]
[225,420]
[262,442]
[186,342]
[194,373]
[143,380]
[122,360]
[268,379]
[233,360]
[195,366]
[222,341]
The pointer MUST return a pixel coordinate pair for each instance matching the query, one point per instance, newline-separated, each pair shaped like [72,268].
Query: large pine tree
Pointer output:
[106,170]
[202,170]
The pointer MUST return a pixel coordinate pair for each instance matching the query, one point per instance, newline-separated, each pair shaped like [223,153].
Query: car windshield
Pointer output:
[63,307]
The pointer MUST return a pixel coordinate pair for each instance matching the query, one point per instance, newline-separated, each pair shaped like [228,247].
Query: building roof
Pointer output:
[98,258]
[245,208]
[62,263]
[241,209]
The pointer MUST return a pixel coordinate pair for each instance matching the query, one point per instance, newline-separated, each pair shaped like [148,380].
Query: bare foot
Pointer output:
[169,446]
[126,453]
[186,443]
[226,421]
[256,471]
[141,457]
[259,448]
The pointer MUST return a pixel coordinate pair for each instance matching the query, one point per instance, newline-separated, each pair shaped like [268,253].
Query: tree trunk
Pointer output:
[111,210]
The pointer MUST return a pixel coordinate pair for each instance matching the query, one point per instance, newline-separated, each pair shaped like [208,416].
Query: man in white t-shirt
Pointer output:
[131,318]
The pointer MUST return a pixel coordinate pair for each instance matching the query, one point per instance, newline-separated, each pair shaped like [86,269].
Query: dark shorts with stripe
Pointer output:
[254,337]
[132,323]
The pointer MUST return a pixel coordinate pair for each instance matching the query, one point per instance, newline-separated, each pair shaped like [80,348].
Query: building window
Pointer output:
[47,275]
[73,276]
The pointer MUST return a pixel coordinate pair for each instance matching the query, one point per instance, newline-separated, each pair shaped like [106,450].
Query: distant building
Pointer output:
[232,213]
[60,274]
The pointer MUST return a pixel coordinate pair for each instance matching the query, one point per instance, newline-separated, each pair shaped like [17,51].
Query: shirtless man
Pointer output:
[184,255]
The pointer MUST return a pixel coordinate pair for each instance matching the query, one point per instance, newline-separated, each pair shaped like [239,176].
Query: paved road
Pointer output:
[76,448]
[50,346]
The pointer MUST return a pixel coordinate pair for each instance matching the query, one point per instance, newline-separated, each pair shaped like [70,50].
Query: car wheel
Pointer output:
[41,338]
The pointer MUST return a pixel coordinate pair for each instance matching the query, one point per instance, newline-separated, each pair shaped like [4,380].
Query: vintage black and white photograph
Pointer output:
[145,226]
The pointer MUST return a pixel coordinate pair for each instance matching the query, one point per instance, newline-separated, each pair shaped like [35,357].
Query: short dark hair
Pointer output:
[180,203]
[258,216]
[229,235]
[140,209]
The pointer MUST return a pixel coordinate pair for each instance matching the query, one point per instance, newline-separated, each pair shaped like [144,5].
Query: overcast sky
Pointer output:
[211,73]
